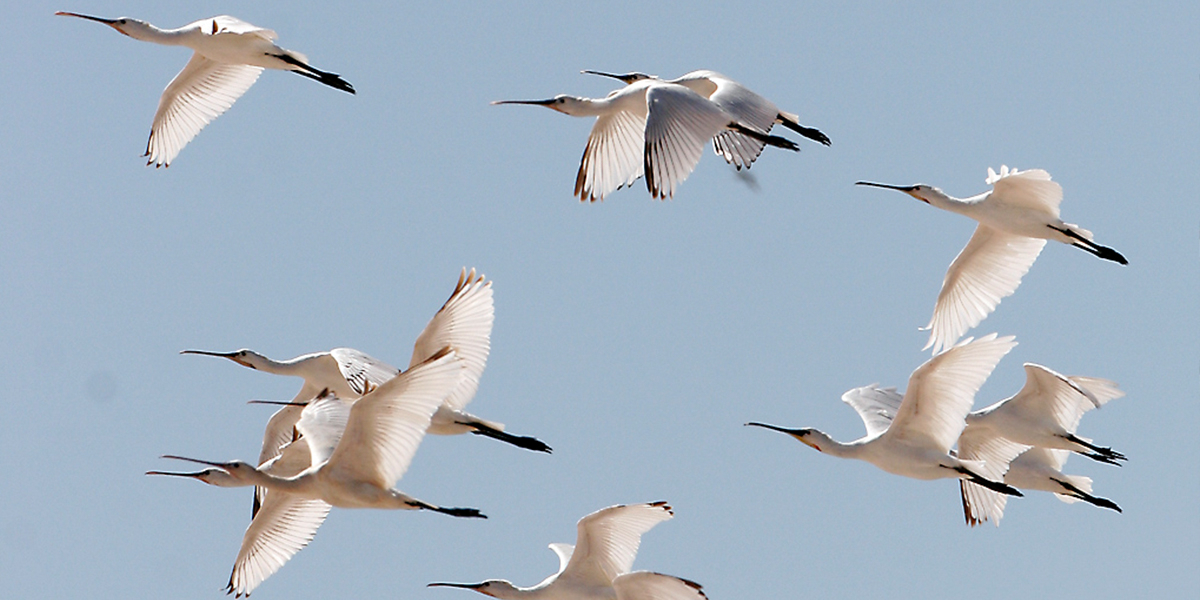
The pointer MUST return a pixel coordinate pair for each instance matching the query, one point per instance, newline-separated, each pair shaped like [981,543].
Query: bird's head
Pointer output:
[626,78]
[806,435]
[125,25]
[244,357]
[236,472]
[213,476]
[920,191]
[563,103]
[496,588]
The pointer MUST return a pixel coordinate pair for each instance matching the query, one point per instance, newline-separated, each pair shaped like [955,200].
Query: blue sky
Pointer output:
[634,336]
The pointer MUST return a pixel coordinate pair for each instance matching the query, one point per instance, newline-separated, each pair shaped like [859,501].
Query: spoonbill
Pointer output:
[1015,220]
[229,55]
[928,418]
[1034,469]
[750,109]
[605,546]
[650,128]
[357,452]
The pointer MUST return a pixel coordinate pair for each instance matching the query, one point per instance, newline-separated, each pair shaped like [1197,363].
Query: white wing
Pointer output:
[464,323]
[608,540]
[360,369]
[977,443]
[564,552]
[877,406]
[322,423]
[941,391]
[1030,189]
[988,269]
[199,93]
[679,123]
[645,585]
[228,24]
[387,425]
[750,109]
[1048,397]
[613,156]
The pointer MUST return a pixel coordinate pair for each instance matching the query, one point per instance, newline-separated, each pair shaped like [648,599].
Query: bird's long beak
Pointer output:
[907,189]
[627,78]
[110,22]
[546,102]
[230,355]
[796,433]
[276,402]
[465,586]
[196,475]
[197,461]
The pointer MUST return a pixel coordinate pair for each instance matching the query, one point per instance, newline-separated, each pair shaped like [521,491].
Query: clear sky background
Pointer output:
[634,336]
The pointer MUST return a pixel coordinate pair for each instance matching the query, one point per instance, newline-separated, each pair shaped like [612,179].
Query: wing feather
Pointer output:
[612,158]
[678,124]
[201,92]
[608,540]
[464,323]
[875,405]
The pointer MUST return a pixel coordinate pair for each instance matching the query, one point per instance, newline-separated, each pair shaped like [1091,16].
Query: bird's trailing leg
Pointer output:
[520,441]
[808,132]
[1098,453]
[995,486]
[454,512]
[1083,243]
[770,140]
[1086,497]
[332,80]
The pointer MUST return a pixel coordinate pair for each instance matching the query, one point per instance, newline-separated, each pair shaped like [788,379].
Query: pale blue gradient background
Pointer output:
[634,336]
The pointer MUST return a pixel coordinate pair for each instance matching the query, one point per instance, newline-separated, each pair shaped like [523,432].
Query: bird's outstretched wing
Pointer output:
[750,109]
[877,406]
[361,370]
[646,585]
[678,125]
[386,426]
[941,391]
[1030,189]
[612,158]
[1048,396]
[322,425]
[977,443]
[283,525]
[988,269]
[228,24]
[608,540]
[199,93]
[464,323]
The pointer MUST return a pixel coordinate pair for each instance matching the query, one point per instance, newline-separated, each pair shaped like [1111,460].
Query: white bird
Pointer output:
[229,55]
[357,452]
[650,128]
[599,562]
[929,417]
[464,323]
[1015,220]
[750,109]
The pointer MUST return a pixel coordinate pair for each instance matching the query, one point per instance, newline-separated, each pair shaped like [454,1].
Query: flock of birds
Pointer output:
[351,432]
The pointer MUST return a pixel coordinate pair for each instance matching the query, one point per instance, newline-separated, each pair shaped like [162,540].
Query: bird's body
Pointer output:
[603,554]
[350,455]
[650,128]
[228,57]
[929,417]
[748,107]
[1015,220]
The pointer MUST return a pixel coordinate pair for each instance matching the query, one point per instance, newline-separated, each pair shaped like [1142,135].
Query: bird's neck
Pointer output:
[832,447]
[157,35]
[962,206]
[296,367]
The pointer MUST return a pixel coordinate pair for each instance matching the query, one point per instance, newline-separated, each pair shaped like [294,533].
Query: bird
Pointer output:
[464,322]
[594,568]
[650,128]
[1015,220]
[357,452]
[229,55]
[749,108]
[928,418]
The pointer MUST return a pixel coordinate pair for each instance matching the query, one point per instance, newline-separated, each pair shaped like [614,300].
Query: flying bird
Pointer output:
[229,55]
[650,128]
[597,566]
[356,453]
[928,418]
[750,109]
[1015,220]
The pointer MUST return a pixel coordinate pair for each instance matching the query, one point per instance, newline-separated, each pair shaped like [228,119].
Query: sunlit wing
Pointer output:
[988,269]
[608,540]
[322,425]
[464,323]
[941,391]
[679,124]
[387,425]
[750,109]
[875,405]
[977,443]
[1031,189]
[360,369]
[613,156]
[285,524]
[228,24]
[199,93]
[646,585]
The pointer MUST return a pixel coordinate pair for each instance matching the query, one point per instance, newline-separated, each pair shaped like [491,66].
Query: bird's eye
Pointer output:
[561,100]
